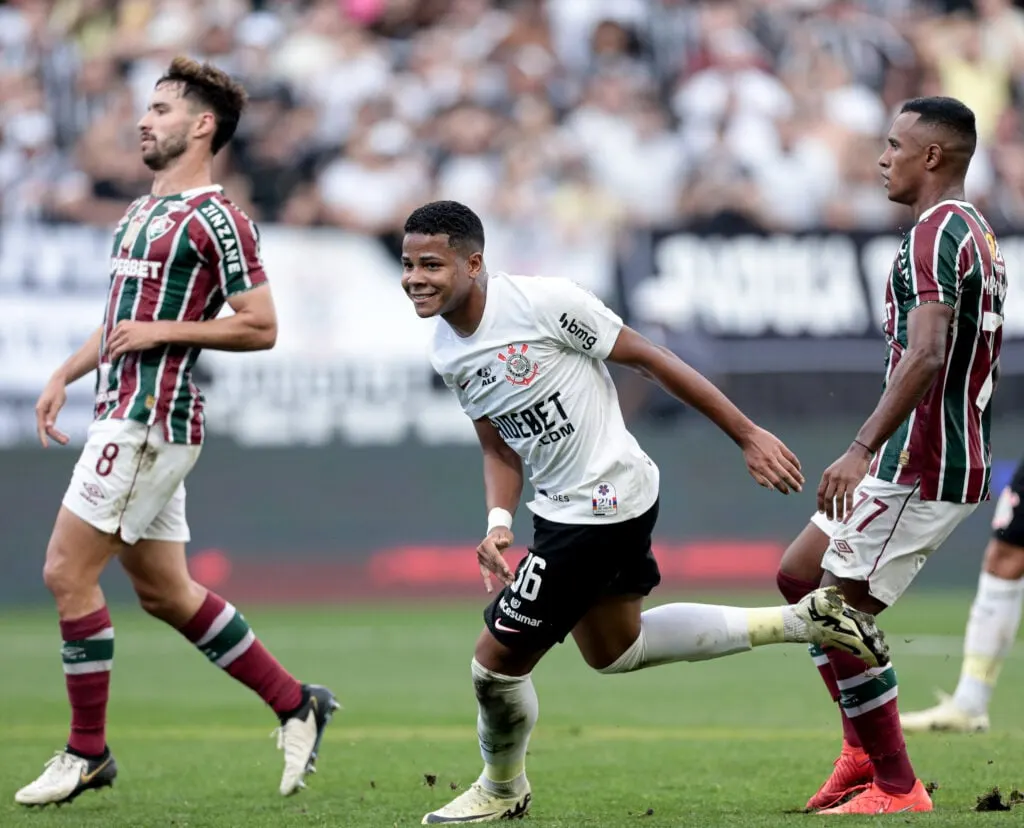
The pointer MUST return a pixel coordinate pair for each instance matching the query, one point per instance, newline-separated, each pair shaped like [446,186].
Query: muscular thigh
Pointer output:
[77,552]
[608,629]
[802,558]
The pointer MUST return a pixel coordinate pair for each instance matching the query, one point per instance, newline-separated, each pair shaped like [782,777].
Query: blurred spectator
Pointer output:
[547,114]
[377,183]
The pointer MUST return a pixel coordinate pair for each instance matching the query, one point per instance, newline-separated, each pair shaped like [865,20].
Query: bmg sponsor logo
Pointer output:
[577,330]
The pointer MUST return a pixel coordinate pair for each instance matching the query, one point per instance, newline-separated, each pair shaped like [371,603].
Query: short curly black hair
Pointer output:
[463,227]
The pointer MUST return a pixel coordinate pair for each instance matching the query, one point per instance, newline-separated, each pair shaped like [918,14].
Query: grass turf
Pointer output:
[735,742]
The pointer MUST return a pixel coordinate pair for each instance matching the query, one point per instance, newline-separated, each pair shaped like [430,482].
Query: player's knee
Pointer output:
[61,576]
[170,605]
[1004,560]
[630,659]
[800,567]
[67,575]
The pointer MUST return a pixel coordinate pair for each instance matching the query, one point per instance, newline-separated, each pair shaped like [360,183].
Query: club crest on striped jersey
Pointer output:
[159,226]
[519,368]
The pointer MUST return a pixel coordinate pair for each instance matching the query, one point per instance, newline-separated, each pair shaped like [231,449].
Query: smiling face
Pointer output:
[169,126]
[436,277]
[907,158]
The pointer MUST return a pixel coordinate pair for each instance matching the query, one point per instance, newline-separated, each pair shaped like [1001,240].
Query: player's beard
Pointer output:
[162,153]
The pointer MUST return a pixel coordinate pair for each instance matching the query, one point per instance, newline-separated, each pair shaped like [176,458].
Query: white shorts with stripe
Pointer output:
[888,535]
[130,480]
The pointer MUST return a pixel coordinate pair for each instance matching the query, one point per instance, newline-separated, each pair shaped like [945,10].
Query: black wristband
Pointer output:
[866,448]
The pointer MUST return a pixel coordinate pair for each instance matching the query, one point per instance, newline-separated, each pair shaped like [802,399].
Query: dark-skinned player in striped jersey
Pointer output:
[921,463]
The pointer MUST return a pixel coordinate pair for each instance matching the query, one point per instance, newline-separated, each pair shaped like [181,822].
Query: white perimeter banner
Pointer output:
[351,357]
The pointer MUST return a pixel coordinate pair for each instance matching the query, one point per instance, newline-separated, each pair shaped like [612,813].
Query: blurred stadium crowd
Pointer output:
[578,115]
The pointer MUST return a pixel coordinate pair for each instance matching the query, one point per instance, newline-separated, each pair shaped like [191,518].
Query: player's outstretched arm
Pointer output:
[927,332]
[503,486]
[252,327]
[52,400]
[769,461]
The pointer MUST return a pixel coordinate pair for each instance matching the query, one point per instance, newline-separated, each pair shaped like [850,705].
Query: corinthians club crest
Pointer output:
[519,368]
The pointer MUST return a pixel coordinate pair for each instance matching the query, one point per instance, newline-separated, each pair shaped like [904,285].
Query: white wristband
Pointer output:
[498,517]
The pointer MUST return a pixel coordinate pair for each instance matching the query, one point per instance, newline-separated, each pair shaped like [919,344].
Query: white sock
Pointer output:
[697,632]
[507,713]
[991,632]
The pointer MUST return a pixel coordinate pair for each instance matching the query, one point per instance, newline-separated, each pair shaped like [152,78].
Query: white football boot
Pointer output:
[477,804]
[945,716]
[66,776]
[299,736]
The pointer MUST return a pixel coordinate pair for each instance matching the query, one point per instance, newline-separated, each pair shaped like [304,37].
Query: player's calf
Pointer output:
[224,636]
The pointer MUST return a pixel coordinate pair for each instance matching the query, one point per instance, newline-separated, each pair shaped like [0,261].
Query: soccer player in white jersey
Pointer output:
[525,357]
[178,256]
[991,627]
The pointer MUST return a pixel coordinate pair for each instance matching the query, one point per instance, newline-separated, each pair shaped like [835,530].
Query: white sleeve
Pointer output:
[575,317]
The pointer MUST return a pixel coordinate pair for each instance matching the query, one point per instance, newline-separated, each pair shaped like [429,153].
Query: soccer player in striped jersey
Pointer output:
[179,254]
[921,462]
[991,627]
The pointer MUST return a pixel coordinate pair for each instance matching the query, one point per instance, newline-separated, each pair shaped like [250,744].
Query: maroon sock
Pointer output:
[828,675]
[793,589]
[224,637]
[88,655]
[868,698]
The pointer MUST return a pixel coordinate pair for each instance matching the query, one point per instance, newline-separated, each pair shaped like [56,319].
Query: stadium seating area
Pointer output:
[577,115]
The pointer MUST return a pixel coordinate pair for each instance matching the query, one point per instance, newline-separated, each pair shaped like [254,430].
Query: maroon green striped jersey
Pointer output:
[950,256]
[177,257]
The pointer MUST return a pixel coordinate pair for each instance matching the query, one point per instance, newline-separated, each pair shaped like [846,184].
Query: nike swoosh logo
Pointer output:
[503,628]
[86,778]
[465,385]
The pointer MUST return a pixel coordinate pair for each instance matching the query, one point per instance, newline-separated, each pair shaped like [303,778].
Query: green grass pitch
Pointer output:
[735,742]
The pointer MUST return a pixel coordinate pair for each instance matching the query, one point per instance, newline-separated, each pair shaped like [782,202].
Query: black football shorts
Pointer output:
[1008,519]
[568,569]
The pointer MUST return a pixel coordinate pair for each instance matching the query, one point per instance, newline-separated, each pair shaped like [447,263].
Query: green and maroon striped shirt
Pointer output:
[177,257]
[950,256]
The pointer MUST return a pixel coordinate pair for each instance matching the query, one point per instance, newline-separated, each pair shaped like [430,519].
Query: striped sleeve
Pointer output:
[233,246]
[937,255]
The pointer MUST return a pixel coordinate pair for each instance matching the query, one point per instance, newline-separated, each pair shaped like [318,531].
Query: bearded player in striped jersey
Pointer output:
[525,356]
[179,255]
[921,463]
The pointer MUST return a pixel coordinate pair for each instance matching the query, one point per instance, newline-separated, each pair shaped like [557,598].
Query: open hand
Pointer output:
[771,464]
[489,554]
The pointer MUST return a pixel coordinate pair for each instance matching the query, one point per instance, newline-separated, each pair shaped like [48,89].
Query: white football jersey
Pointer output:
[535,368]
